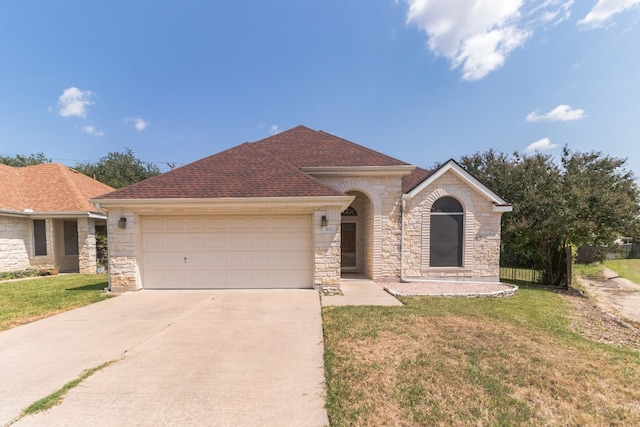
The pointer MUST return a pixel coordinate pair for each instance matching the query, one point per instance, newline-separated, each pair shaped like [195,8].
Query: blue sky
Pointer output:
[420,80]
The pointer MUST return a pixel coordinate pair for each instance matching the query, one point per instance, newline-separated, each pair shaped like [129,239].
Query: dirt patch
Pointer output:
[597,321]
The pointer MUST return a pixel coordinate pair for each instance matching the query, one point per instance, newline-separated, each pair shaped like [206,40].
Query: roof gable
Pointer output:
[473,182]
[238,172]
[48,187]
[306,148]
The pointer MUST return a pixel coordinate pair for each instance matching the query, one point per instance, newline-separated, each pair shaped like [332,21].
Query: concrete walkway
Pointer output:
[227,358]
[358,290]
[616,294]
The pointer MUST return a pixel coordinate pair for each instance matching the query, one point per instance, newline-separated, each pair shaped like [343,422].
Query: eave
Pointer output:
[27,213]
[341,202]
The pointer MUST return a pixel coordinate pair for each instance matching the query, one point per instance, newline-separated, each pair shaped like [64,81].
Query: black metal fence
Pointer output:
[520,274]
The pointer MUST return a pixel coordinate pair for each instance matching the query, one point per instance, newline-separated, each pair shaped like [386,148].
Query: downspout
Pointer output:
[402,208]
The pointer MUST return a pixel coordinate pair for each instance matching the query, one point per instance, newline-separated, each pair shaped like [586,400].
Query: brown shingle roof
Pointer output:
[304,147]
[270,167]
[242,171]
[48,187]
[411,181]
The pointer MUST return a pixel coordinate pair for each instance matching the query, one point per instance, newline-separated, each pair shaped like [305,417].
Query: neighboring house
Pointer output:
[46,219]
[297,210]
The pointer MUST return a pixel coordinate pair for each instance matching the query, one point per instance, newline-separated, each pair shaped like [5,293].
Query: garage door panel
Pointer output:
[174,242]
[253,252]
[197,242]
[196,224]
[238,243]
[259,243]
[174,224]
[154,261]
[153,224]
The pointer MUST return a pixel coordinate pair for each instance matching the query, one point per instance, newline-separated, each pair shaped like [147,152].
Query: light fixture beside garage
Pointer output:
[323,221]
[122,222]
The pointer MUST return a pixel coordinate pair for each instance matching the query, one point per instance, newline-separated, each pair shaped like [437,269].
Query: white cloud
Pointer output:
[543,144]
[91,130]
[273,129]
[478,35]
[74,102]
[604,10]
[138,123]
[562,113]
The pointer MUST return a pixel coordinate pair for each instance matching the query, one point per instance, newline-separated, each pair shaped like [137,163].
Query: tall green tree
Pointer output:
[20,160]
[584,199]
[118,169]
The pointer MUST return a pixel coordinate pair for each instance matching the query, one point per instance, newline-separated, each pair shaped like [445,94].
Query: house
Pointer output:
[46,219]
[297,210]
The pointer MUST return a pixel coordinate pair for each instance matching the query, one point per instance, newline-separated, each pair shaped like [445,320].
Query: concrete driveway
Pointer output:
[228,358]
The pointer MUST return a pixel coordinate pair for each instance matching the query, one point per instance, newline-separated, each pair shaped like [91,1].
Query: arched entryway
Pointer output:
[357,236]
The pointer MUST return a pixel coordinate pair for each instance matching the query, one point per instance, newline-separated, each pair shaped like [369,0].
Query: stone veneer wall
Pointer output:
[326,247]
[14,243]
[124,274]
[481,252]
[87,263]
[384,193]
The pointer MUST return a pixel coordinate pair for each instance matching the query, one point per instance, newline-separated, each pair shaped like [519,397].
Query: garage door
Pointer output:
[227,252]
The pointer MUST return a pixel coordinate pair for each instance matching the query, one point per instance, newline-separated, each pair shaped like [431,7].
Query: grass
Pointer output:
[56,397]
[490,362]
[627,268]
[25,301]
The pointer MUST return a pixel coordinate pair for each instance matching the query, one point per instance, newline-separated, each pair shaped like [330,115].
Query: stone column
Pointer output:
[87,246]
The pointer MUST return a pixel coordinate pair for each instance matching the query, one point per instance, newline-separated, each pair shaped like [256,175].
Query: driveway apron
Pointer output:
[228,358]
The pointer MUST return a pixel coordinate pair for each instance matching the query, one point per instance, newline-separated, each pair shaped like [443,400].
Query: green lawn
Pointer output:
[25,301]
[489,362]
[627,268]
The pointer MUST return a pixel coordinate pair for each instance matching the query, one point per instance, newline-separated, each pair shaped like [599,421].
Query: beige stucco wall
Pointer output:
[14,248]
[481,241]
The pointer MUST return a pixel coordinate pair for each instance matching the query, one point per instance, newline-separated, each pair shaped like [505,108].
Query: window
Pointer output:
[447,218]
[70,238]
[350,211]
[39,237]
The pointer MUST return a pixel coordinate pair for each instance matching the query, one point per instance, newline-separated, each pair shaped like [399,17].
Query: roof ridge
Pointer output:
[289,165]
[362,147]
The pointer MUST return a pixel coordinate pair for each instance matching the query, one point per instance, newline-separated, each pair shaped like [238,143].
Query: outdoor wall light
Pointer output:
[323,221]
[122,222]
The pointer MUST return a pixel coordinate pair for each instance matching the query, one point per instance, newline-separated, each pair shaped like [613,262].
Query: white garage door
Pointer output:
[227,252]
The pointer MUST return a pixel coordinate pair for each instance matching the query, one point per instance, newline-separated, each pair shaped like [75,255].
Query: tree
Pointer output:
[585,199]
[118,169]
[21,161]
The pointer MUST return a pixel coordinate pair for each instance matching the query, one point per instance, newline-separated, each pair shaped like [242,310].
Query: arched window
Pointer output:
[350,211]
[447,218]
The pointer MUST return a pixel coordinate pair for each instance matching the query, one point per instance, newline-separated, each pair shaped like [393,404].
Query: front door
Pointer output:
[348,246]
